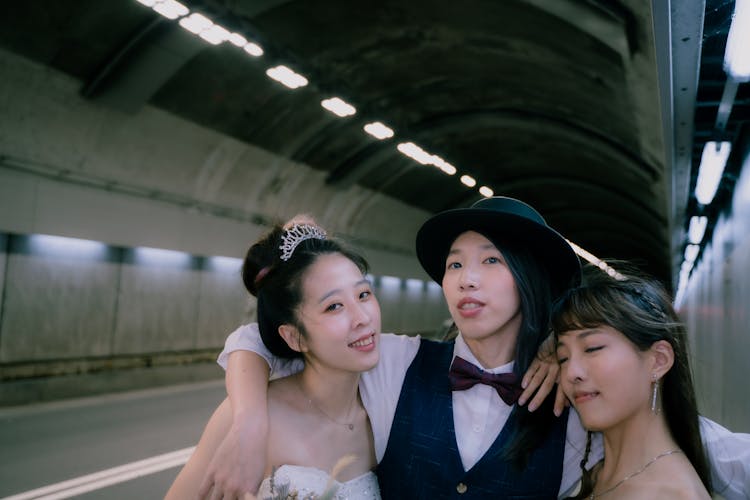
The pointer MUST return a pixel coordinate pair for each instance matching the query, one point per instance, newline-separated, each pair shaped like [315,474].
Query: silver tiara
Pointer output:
[296,235]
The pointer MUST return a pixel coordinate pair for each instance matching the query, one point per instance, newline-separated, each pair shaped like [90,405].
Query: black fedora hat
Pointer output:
[501,220]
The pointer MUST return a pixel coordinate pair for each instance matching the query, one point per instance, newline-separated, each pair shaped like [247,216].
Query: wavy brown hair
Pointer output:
[640,308]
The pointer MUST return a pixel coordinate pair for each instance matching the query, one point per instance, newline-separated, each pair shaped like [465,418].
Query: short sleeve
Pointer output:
[247,338]
[380,387]
[729,457]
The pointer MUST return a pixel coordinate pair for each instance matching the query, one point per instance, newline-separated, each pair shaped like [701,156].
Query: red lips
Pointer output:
[584,396]
[469,307]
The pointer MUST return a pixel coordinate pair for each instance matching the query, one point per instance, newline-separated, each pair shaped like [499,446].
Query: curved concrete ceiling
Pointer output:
[552,101]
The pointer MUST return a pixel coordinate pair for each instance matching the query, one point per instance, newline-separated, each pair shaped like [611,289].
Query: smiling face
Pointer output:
[480,290]
[604,375]
[339,314]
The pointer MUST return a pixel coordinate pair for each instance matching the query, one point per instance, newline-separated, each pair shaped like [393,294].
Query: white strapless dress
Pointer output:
[310,482]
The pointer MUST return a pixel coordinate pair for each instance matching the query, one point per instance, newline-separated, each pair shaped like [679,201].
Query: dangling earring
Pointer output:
[655,396]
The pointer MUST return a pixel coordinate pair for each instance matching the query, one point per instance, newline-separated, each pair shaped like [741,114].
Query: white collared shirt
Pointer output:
[479,413]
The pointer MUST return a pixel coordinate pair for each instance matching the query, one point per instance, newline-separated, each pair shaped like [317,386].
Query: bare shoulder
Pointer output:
[673,479]
[684,482]
[283,390]
[288,426]
[678,480]
[682,491]
[663,490]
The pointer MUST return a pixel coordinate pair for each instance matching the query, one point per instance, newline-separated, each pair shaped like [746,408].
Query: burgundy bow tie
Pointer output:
[464,375]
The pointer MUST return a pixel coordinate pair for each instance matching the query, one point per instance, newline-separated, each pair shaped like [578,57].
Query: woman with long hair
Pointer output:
[624,367]
[314,304]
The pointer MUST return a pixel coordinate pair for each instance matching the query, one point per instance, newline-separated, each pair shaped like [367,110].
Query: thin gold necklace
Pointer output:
[657,457]
[349,425]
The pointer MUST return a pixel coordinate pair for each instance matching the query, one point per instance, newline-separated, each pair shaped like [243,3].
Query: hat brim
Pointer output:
[436,236]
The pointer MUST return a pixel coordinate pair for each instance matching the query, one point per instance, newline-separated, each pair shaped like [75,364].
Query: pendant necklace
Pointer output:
[349,425]
[657,457]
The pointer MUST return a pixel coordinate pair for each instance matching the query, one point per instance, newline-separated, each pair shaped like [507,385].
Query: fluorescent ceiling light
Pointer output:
[391,282]
[697,228]
[420,155]
[286,76]
[713,160]
[468,180]
[378,130]
[447,168]
[67,247]
[202,26]
[147,3]
[225,264]
[443,165]
[686,266]
[596,261]
[685,273]
[691,252]
[338,107]
[237,39]
[161,256]
[737,54]
[414,284]
[255,50]
[195,23]
[486,192]
[171,9]
[415,153]
[215,34]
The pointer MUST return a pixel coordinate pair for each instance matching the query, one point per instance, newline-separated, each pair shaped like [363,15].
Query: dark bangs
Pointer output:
[584,308]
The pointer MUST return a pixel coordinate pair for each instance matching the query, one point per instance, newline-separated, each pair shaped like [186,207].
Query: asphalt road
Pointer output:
[46,444]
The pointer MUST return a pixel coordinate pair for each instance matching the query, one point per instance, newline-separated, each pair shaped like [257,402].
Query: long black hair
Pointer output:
[536,296]
[277,283]
[639,308]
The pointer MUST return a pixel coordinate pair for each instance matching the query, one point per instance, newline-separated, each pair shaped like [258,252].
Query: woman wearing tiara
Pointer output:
[314,304]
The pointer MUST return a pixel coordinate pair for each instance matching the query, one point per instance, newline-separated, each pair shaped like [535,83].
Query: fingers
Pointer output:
[546,384]
[538,383]
[217,494]
[213,489]
[535,381]
[533,368]
[205,488]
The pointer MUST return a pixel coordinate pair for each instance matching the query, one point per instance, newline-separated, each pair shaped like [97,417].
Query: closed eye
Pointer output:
[594,349]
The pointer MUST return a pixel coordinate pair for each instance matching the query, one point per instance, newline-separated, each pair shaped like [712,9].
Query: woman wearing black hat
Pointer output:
[444,415]
[500,267]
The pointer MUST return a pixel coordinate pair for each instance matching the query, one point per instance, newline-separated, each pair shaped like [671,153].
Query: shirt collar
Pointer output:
[461,349]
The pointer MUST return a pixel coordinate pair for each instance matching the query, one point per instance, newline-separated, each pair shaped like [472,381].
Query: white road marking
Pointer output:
[108,477]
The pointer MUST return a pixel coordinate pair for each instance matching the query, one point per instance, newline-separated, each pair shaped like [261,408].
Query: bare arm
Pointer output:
[238,462]
[187,481]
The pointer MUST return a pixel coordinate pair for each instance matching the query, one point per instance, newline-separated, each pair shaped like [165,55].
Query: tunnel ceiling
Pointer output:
[555,102]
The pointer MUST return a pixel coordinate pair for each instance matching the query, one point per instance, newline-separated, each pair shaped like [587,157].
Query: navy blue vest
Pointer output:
[422,459]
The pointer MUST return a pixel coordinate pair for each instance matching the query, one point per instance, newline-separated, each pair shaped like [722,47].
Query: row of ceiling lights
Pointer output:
[216,34]
[716,153]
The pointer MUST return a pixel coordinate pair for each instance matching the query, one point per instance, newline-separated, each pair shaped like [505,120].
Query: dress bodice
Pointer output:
[310,482]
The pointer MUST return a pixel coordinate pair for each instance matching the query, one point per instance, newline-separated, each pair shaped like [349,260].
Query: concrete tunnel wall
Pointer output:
[71,168]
